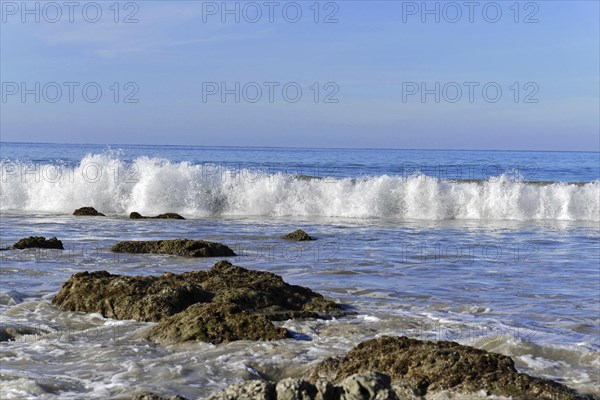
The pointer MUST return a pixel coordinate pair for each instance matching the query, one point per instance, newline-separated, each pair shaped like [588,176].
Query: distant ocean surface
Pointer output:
[495,249]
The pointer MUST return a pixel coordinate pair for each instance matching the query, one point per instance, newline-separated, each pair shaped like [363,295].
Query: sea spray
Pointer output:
[154,185]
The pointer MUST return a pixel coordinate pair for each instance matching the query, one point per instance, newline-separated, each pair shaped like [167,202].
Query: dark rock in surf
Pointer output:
[262,291]
[168,216]
[143,298]
[9,332]
[6,334]
[298,235]
[88,211]
[215,323]
[177,247]
[136,215]
[230,302]
[39,242]
[427,367]
[152,396]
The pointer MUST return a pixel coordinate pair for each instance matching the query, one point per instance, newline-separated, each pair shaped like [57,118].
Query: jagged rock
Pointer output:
[242,302]
[248,390]
[88,211]
[262,291]
[215,323]
[178,247]
[296,389]
[136,215]
[371,386]
[434,366]
[38,242]
[325,390]
[152,396]
[143,298]
[298,235]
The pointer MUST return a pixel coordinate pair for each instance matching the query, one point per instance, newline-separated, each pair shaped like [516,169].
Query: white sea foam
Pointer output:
[155,185]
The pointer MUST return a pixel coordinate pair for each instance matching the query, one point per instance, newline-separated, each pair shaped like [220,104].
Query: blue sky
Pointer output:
[370,57]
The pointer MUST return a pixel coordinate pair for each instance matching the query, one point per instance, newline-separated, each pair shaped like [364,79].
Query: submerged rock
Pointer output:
[435,366]
[178,247]
[10,332]
[298,235]
[222,304]
[136,215]
[88,211]
[152,396]
[39,242]
[215,323]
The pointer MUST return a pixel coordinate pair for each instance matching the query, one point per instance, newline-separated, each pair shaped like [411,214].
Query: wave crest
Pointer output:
[156,185]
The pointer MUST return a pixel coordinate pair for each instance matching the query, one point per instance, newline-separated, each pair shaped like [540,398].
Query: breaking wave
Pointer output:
[156,185]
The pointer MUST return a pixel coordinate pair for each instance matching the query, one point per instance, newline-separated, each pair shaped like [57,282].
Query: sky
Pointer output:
[502,75]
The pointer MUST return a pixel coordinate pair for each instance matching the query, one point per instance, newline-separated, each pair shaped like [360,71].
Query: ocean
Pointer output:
[499,250]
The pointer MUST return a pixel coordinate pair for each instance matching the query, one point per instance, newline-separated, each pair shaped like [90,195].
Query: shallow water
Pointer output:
[525,285]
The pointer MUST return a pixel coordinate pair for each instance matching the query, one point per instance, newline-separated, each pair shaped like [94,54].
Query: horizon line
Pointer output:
[299,147]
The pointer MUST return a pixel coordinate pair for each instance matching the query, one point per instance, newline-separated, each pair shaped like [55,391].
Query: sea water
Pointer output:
[497,250]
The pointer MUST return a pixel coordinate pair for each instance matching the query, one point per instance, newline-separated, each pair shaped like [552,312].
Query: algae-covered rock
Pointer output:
[88,211]
[230,302]
[143,298]
[262,291]
[178,247]
[298,235]
[136,215]
[215,323]
[153,396]
[38,242]
[434,366]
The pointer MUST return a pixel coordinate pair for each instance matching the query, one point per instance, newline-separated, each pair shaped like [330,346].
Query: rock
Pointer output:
[168,216]
[435,366]
[143,298]
[6,334]
[152,396]
[215,323]
[248,390]
[178,247]
[325,390]
[262,291]
[373,385]
[9,332]
[38,242]
[136,215]
[297,389]
[229,302]
[88,211]
[298,236]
